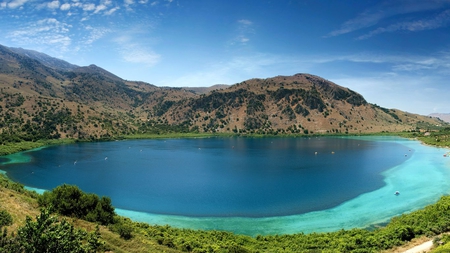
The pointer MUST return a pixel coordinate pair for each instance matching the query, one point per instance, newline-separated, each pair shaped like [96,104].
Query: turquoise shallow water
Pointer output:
[421,177]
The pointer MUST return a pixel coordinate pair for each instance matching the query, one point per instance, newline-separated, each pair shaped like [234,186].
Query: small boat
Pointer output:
[397,193]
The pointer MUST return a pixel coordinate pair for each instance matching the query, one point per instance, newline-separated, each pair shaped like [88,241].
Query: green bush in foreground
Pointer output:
[47,234]
[69,200]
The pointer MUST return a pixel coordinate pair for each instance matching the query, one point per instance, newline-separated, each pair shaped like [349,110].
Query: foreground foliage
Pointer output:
[47,234]
[69,200]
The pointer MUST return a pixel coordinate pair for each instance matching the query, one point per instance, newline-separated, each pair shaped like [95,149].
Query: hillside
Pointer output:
[46,98]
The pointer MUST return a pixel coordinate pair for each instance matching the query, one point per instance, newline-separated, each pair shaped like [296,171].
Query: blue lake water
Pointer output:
[247,185]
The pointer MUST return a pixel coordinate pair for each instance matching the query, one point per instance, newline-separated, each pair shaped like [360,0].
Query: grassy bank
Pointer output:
[15,147]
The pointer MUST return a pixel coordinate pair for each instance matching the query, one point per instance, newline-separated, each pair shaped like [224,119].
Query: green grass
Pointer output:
[11,148]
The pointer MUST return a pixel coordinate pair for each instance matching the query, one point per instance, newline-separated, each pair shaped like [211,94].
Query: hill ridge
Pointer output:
[89,102]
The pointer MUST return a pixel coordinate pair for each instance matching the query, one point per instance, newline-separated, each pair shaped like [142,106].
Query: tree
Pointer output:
[47,234]
[71,201]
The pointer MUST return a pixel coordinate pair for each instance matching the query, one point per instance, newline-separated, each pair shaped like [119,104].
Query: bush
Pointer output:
[123,227]
[5,218]
[46,234]
[71,201]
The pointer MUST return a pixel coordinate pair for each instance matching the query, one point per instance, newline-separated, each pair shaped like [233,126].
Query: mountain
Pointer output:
[45,59]
[43,97]
[443,116]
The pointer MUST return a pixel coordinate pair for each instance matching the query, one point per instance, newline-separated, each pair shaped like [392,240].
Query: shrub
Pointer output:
[5,218]
[71,201]
[46,234]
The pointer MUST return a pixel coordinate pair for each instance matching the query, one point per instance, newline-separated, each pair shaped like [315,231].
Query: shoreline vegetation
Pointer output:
[120,234]
[439,138]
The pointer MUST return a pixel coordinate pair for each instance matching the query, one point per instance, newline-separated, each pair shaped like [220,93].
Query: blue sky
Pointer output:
[396,53]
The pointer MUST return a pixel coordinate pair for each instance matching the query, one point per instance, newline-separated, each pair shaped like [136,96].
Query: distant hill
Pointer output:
[443,116]
[45,59]
[44,97]
[204,90]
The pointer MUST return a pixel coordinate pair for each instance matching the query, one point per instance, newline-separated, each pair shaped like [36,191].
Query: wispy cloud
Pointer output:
[111,11]
[53,5]
[439,61]
[94,34]
[136,53]
[385,10]
[244,31]
[65,7]
[13,4]
[441,20]
[45,32]
[233,70]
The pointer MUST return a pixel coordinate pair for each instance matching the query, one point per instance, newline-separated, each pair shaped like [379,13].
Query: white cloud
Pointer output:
[111,11]
[154,3]
[53,5]
[45,32]
[245,22]
[94,34]
[65,7]
[244,31]
[99,8]
[88,7]
[16,3]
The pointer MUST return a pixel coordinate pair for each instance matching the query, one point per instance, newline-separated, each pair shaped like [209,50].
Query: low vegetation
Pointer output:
[440,138]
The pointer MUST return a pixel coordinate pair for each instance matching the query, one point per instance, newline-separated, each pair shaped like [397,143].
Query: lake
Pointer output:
[247,185]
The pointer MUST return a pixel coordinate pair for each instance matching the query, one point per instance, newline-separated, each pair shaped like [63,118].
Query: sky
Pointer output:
[396,53]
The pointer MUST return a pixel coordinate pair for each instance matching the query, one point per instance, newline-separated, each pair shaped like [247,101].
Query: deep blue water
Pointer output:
[221,177]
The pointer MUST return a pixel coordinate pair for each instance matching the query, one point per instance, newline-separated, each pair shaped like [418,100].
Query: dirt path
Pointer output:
[424,247]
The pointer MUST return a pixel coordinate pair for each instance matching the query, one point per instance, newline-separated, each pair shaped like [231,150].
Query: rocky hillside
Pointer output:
[43,98]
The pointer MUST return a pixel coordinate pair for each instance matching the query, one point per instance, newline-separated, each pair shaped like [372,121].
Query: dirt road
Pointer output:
[424,247]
